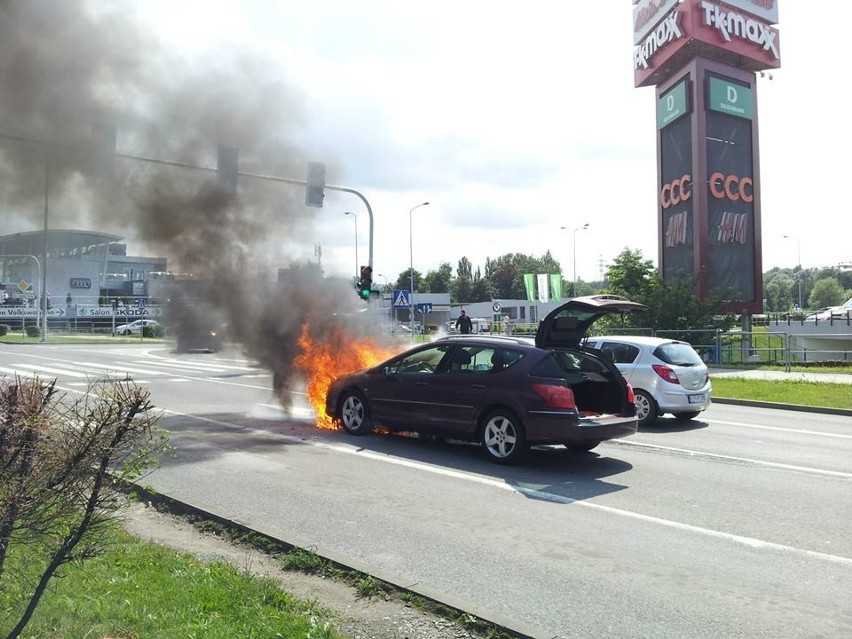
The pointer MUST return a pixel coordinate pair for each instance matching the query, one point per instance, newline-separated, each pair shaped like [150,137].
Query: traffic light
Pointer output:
[365,284]
[227,168]
[315,190]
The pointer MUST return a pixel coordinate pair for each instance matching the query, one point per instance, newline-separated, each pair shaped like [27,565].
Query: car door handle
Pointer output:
[478,386]
[421,383]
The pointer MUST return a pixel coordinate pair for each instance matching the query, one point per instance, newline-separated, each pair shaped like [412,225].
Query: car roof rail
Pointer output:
[485,336]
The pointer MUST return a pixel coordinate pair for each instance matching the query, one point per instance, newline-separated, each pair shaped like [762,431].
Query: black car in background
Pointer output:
[507,393]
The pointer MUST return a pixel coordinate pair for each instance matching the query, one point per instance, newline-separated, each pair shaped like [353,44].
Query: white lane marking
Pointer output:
[798,431]
[215,365]
[19,373]
[121,368]
[750,542]
[54,371]
[195,368]
[747,460]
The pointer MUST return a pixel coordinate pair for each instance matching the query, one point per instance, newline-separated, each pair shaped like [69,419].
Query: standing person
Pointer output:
[463,323]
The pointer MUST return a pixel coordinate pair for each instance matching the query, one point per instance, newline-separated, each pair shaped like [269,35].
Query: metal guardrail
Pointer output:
[744,347]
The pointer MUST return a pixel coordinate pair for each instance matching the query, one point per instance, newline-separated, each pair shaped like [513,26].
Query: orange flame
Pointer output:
[324,361]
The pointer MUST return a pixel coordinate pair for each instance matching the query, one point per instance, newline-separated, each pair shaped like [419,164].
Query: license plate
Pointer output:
[696,399]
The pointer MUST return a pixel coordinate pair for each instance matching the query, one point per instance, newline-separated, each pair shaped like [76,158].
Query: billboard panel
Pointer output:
[766,10]
[708,28]
[676,201]
[731,236]
[647,14]
[674,103]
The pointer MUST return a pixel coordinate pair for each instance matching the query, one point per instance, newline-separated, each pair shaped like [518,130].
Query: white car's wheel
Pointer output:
[646,408]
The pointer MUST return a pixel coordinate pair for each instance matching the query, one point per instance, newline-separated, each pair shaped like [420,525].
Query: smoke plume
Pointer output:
[72,71]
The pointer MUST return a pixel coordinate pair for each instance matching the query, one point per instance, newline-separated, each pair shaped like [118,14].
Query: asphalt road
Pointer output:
[734,525]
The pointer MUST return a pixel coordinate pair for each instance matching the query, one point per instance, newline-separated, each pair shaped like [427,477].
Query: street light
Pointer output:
[411,269]
[355,217]
[574,273]
[798,249]
[798,264]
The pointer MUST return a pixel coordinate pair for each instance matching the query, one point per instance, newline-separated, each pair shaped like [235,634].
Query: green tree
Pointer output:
[827,292]
[481,291]
[462,290]
[403,282]
[440,281]
[631,275]
[506,273]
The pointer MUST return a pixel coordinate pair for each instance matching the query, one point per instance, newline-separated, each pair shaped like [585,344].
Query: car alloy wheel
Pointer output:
[646,408]
[503,437]
[354,414]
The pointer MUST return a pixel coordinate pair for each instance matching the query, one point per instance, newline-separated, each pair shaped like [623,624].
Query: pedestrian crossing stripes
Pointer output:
[148,371]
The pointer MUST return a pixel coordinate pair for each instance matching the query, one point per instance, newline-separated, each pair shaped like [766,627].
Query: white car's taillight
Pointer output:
[666,373]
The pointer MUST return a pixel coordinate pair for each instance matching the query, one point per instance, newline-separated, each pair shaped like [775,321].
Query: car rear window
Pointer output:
[677,354]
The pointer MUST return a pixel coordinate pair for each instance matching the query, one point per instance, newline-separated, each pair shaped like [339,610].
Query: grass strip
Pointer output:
[796,392]
[138,589]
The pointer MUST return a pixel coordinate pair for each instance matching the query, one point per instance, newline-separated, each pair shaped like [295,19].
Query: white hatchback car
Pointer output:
[667,375]
[134,328]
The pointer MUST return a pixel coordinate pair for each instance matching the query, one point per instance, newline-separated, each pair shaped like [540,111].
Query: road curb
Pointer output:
[512,627]
[794,407]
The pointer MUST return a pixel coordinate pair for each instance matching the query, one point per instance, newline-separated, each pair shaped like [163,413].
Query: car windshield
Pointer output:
[677,354]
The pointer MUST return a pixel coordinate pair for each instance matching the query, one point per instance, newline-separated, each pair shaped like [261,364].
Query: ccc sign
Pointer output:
[731,187]
[676,191]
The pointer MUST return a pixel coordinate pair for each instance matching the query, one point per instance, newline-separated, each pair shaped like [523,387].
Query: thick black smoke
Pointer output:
[72,69]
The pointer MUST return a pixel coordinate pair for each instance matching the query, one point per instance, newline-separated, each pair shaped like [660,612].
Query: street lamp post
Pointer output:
[411,268]
[798,265]
[355,217]
[574,249]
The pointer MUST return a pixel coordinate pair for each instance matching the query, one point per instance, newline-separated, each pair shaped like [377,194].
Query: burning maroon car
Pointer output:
[508,393]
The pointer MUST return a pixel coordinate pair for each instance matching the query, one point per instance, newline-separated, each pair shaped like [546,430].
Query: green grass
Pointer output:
[141,590]
[798,392]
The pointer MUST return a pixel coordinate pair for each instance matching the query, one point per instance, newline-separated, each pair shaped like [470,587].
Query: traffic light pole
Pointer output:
[271,178]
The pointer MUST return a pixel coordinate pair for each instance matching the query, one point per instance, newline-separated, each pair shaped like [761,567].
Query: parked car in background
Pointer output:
[832,313]
[667,375]
[507,393]
[135,328]
[197,336]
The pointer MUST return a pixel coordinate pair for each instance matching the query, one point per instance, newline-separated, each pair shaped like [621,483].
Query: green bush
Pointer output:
[33,331]
[153,331]
[3,329]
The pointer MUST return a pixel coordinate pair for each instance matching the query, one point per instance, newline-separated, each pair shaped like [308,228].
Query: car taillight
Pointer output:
[556,396]
[631,396]
[666,373]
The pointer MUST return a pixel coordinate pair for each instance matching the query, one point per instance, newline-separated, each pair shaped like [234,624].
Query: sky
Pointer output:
[518,123]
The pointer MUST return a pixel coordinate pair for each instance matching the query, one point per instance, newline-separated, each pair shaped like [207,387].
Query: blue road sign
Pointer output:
[401,299]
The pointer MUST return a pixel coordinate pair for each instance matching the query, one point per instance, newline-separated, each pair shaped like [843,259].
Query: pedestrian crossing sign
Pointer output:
[401,299]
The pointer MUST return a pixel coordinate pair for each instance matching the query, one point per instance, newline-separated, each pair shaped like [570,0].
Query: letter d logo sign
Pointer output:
[670,103]
[732,94]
